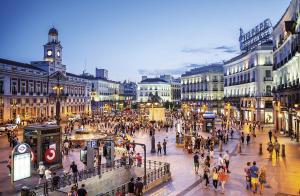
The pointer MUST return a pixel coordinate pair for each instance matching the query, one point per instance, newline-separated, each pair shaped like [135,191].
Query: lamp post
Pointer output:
[57,89]
[14,105]
[153,132]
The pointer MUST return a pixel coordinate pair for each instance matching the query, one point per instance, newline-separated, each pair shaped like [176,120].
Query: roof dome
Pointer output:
[53,31]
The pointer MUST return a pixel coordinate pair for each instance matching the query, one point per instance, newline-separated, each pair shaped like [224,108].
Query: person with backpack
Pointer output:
[248,176]
[270,149]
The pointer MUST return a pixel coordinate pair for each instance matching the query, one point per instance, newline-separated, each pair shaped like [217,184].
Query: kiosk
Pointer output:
[208,122]
[45,142]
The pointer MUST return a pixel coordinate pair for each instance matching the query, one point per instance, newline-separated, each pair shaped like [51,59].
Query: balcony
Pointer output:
[268,78]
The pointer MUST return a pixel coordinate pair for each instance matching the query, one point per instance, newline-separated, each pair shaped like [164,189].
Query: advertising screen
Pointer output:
[21,168]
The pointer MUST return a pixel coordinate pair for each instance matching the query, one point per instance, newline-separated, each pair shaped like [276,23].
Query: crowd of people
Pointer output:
[213,170]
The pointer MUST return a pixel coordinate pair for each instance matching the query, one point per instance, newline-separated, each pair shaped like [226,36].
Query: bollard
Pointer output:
[283,150]
[220,146]
[239,148]
[260,149]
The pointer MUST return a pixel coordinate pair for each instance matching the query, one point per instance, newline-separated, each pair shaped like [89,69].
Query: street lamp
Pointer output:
[57,89]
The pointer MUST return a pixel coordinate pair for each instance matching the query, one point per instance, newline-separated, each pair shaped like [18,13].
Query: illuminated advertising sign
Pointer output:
[256,36]
[21,165]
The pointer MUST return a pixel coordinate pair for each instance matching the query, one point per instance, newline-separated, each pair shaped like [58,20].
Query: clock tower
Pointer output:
[53,52]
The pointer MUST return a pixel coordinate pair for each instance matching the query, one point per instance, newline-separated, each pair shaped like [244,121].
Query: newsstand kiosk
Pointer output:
[45,142]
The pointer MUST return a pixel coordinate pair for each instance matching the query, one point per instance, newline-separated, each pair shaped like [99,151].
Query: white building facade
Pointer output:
[286,71]
[203,86]
[248,85]
[154,86]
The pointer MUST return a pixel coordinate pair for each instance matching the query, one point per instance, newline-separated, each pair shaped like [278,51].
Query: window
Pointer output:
[1,87]
[268,73]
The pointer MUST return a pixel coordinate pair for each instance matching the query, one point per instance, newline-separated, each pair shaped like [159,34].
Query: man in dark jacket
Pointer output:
[139,187]
[131,187]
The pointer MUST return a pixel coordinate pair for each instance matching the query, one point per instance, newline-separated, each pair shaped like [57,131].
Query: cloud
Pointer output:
[194,50]
[175,72]
[157,72]
[226,49]
[222,48]
[194,65]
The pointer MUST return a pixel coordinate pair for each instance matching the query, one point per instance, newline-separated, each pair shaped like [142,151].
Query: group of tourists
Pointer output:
[255,177]
[218,173]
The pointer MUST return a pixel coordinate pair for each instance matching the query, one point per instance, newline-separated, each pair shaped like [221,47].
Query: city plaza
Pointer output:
[63,132]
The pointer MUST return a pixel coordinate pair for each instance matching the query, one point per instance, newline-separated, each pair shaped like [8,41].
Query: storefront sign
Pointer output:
[256,36]
[21,162]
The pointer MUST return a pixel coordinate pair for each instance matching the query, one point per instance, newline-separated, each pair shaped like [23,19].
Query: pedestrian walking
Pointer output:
[131,187]
[48,174]
[270,135]
[158,148]
[74,169]
[138,158]
[165,147]
[226,160]
[223,178]
[270,149]
[139,187]
[248,176]
[206,176]
[220,162]
[248,138]
[41,171]
[196,163]
[215,177]
[277,148]
[254,176]
[243,138]
[262,180]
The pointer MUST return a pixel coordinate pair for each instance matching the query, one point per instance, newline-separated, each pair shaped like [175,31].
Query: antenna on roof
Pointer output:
[84,65]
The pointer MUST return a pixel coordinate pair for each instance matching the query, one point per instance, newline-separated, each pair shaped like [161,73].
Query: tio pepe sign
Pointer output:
[259,34]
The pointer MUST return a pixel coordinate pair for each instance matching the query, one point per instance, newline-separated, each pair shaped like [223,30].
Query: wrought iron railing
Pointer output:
[67,179]
[156,170]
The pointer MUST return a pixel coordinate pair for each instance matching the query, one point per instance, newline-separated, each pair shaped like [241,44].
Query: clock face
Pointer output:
[58,53]
[49,52]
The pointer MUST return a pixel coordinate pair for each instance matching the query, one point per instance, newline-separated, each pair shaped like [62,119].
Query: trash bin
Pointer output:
[25,191]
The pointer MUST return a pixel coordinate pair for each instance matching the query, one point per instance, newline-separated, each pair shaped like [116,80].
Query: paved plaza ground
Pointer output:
[283,174]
